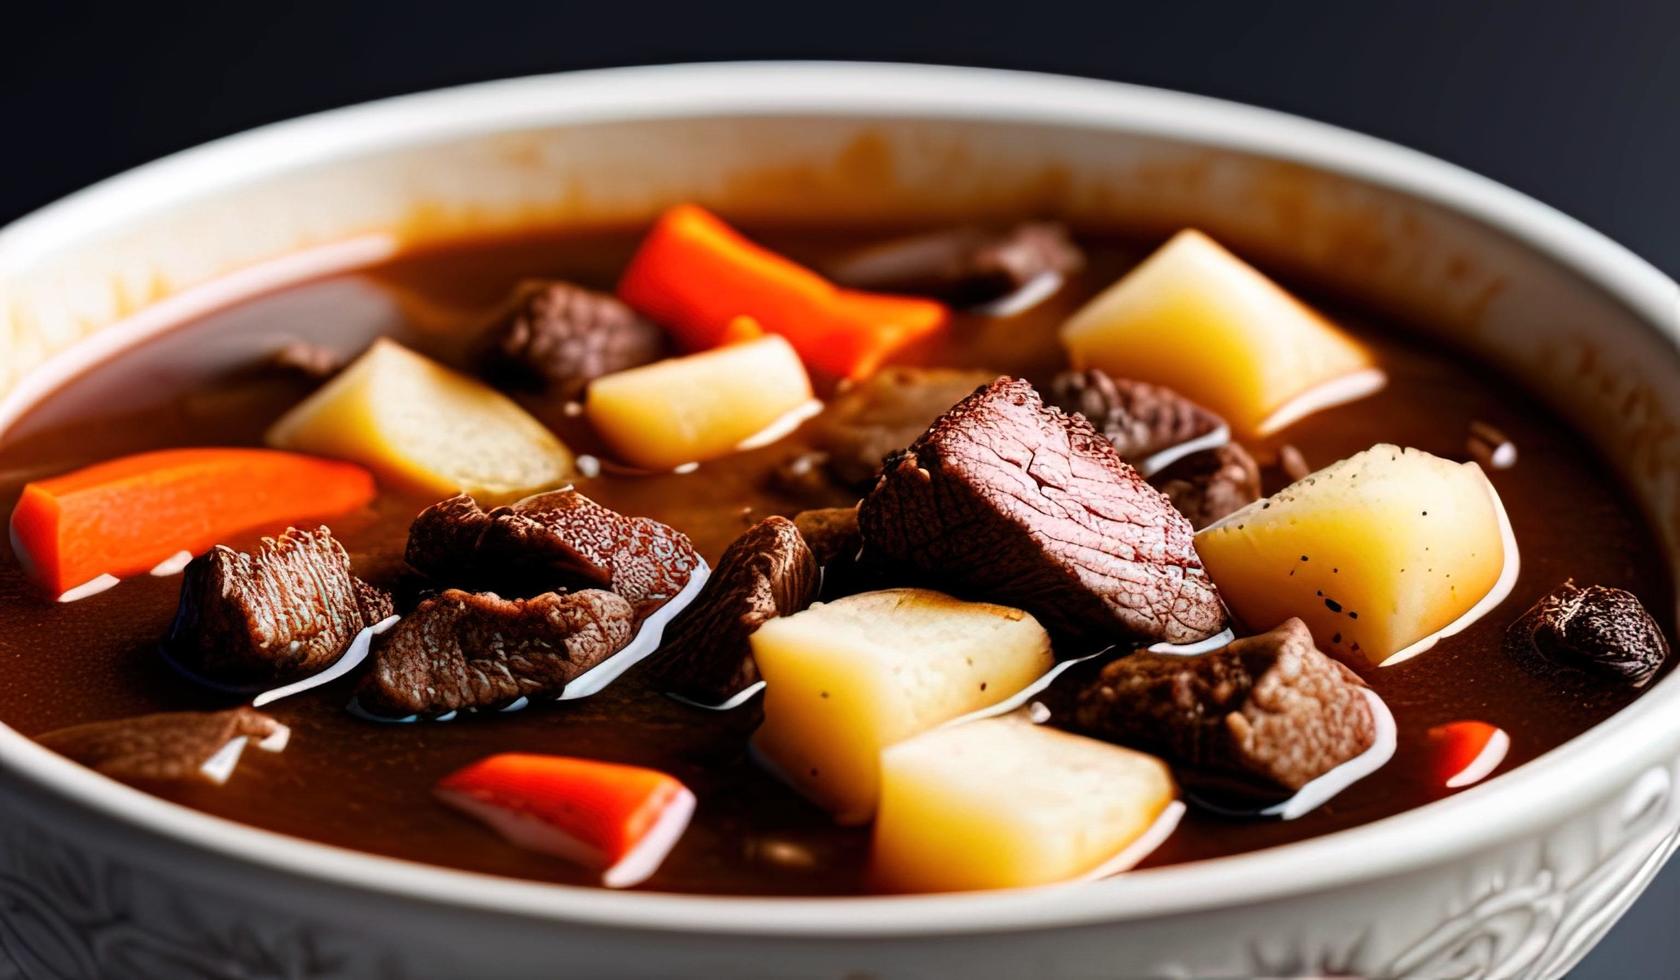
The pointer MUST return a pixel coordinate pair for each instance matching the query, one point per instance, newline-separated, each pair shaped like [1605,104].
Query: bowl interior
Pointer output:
[1579,321]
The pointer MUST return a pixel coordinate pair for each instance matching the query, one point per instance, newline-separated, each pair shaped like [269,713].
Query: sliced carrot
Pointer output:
[126,515]
[1467,752]
[695,275]
[621,820]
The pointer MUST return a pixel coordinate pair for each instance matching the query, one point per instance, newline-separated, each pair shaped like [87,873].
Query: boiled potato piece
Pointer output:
[847,678]
[1197,319]
[419,425]
[699,407]
[1375,553]
[1004,803]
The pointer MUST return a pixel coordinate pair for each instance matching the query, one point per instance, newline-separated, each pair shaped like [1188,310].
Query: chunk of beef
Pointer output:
[555,540]
[1140,419]
[886,413]
[443,539]
[1211,484]
[561,337]
[767,572]
[1266,714]
[832,533]
[166,747]
[287,611]
[1596,630]
[478,650]
[1011,501]
[963,266]
[580,541]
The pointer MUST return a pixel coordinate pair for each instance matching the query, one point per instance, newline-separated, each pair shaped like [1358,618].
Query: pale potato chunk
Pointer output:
[1004,803]
[421,426]
[699,407]
[1199,320]
[1375,552]
[847,678]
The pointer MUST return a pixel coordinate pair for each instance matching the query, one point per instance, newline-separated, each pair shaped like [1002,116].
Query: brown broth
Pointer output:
[368,786]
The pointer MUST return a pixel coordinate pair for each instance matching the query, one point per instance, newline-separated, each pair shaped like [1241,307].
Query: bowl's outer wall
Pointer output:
[82,896]
[1523,892]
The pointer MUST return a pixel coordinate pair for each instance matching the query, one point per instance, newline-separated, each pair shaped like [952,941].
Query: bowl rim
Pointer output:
[1515,803]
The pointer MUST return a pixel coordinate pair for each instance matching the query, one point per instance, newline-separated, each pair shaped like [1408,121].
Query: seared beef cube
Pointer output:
[1140,419]
[1211,484]
[254,620]
[166,747]
[767,572]
[832,533]
[1597,630]
[560,336]
[887,412]
[1267,714]
[962,266]
[577,541]
[443,539]
[1007,500]
[554,540]
[477,650]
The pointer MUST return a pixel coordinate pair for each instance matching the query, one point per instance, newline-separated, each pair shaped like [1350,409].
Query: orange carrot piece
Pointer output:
[695,275]
[124,516]
[620,819]
[740,330]
[1467,751]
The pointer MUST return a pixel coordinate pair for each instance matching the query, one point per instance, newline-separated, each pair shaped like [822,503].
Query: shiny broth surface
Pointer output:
[368,786]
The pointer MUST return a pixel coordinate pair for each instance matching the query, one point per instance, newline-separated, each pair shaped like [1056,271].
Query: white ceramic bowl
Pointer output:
[1516,877]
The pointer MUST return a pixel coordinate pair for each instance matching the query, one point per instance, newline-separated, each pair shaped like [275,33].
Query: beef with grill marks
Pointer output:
[281,613]
[1266,714]
[767,572]
[1005,499]
[555,540]
[477,650]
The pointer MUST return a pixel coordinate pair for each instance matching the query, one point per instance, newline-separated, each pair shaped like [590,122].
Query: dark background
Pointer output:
[1577,104]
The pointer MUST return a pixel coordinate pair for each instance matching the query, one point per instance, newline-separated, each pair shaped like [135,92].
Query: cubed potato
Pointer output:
[1203,322]
[700,407]
[1377,553]
[847,678]
[1004,803]
[421,426]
